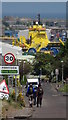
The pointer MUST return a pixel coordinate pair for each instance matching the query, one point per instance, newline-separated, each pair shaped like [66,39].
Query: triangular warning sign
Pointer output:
[4,87]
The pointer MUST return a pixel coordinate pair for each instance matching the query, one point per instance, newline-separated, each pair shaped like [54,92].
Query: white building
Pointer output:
[23,33]
[7,48]
[16,51]
[29,58]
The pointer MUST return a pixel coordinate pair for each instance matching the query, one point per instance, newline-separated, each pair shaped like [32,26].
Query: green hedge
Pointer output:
[64,88]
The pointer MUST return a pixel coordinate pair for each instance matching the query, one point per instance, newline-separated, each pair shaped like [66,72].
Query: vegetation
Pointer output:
[24,81]
[42,62]
[64,88]
[20,99]
[48,63]
[24,69]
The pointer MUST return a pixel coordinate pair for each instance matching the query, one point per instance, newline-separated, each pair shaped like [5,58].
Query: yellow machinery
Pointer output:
[38,37]
[37,40]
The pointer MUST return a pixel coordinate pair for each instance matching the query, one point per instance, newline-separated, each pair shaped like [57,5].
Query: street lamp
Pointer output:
[40,71]
[40,74]
[16,57]
[16,79]
[19,61]
[62,70]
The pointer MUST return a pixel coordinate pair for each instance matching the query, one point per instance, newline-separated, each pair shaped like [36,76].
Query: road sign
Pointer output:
[3,87]
[9,70]
[4,92]
[9,58]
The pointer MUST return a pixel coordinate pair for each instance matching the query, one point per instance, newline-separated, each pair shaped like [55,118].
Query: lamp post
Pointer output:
[40,74]
[62,70]
[16,57]
[40,71]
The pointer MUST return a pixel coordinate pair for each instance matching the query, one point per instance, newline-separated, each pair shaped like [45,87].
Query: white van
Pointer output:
[34,82]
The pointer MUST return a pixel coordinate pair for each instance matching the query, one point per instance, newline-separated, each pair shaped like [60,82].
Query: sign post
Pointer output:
[9,58]
[8,82]
[4,92]
[10,70]
[12,81]
[15,89]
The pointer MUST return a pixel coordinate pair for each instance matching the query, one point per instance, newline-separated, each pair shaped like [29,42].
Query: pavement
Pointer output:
[19,113]
[0,109]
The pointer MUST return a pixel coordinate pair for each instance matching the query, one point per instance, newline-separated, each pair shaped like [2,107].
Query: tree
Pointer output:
[63,55]
[25,68]
[44,62]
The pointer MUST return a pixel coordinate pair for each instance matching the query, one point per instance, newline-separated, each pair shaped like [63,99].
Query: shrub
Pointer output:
[13,95]
[20,99]
[18,83]
[64,88]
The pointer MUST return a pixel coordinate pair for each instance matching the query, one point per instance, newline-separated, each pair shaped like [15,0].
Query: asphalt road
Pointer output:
[53,104]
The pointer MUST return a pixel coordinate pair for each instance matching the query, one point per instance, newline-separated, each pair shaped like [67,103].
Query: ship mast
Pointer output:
[39,19]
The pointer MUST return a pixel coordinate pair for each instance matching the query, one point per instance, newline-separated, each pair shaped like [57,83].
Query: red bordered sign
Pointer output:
[9,58]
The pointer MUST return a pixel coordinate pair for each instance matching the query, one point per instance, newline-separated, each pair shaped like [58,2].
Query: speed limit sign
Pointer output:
[9,58]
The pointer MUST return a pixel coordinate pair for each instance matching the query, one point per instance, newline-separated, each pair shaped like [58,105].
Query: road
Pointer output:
[53,104]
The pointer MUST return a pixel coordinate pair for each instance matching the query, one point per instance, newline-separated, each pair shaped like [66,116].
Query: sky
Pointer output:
[0,9]
[34,0]
[33,7]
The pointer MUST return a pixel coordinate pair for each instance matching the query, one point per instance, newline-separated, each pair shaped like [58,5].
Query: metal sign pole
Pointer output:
[8,82]
[15,89]
[62,73]
[12,81]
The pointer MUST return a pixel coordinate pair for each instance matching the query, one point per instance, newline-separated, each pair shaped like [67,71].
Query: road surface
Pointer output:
[53,104]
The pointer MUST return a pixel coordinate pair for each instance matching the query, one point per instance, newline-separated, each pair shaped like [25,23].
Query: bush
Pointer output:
[13,95]
[20,99]
[64,88]
[18,83]
[25,80]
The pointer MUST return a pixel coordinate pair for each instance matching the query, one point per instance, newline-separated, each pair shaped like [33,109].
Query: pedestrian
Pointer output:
[30,93]
[39,95]
[35,95]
